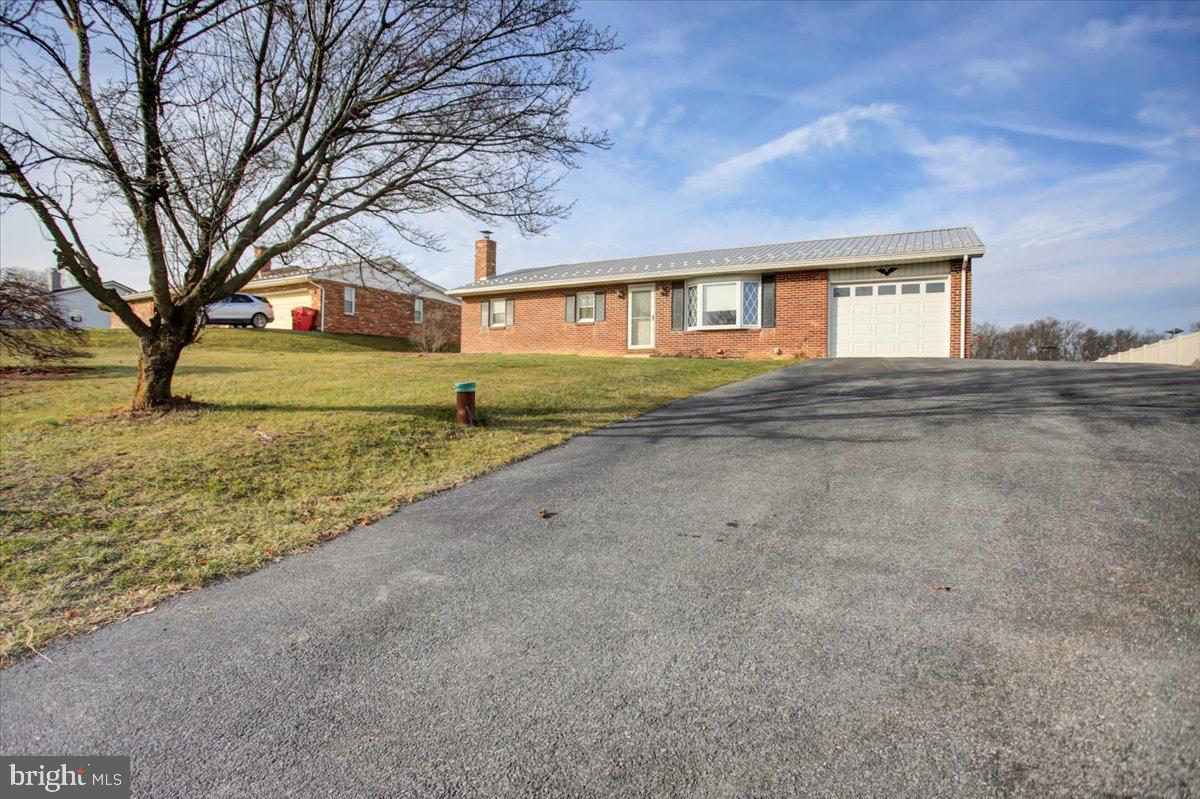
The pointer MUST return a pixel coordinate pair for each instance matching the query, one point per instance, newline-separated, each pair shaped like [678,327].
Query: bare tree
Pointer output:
[207,128]
[34,329]
[437,330]
[1053,339]
[986,340]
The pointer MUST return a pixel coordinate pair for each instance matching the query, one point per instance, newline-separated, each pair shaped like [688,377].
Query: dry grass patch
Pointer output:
[104,515]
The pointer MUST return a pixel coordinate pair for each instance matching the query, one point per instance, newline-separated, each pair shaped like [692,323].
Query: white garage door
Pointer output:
[282,303]
[890,319]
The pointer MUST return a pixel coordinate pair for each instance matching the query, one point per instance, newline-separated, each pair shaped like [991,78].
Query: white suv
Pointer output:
[240,310]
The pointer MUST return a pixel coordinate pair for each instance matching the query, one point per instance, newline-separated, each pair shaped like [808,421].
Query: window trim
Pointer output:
[737,280]
[503,303]
[349,301]
[579,306]
[418,311]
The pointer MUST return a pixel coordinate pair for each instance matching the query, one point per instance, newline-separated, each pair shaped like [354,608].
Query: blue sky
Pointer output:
[1067,135]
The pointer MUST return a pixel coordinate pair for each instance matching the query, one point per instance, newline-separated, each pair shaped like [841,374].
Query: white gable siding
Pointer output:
[908,272]
[77,302]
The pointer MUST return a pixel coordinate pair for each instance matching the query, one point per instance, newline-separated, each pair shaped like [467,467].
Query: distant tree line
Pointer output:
[1053,339]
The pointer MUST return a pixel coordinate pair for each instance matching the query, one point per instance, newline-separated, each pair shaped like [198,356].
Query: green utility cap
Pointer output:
[462,388]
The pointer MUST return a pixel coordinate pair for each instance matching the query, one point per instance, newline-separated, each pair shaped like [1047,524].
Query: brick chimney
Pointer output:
[485,256]
[267,266]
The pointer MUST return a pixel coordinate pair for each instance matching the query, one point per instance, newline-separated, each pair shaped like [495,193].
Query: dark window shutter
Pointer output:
[599,307]
[678,303]
[768,301]
[569,311]
[509,308]
[485,308]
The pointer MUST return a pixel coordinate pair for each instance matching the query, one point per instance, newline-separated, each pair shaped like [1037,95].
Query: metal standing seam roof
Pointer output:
[887,246]
[268,279]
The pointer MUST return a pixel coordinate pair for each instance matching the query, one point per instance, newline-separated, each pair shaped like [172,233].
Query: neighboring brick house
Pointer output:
[895,295]
[348,299]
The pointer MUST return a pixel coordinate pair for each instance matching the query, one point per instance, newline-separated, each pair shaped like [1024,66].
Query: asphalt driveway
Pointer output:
[851,578]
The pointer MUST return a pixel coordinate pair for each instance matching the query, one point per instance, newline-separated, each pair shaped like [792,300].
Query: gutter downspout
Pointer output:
[322,288]
[962,313]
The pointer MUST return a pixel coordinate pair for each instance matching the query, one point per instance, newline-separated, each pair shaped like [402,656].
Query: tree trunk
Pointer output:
[160,351]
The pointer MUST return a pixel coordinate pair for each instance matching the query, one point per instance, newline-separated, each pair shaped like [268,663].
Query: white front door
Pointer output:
[890,319]
[641,317]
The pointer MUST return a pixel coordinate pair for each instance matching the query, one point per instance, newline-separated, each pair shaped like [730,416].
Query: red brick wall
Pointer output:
[538,325]
[143,308]
[801,319]
[957,274]
[377,312]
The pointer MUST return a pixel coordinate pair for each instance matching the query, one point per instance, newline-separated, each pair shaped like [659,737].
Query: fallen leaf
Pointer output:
[546,513]
[942,588]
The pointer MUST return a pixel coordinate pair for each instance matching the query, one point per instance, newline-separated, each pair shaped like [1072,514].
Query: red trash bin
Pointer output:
[303,318]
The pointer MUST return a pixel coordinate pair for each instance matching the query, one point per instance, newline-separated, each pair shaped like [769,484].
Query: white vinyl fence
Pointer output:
[1180,350]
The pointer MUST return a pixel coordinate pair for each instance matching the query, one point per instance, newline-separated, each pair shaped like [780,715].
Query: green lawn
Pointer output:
[104,515]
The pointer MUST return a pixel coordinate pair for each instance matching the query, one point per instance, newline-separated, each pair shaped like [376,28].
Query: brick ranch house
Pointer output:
[348,299]
[895,295]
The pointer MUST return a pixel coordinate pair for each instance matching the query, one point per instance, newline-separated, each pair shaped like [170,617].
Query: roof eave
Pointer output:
[726,269]
[247,289]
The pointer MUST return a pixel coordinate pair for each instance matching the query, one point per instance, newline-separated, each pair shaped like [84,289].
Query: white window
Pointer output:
[585,309]
[750,303]
[498,313]
[724,302]
[418,311]
[349,301]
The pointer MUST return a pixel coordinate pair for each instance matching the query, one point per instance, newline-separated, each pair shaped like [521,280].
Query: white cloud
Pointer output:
[1071,134]
[1176,114]
[1092,204]
[963,162]
[1169,110]
[825,133]
[1103,34]
[994,74]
